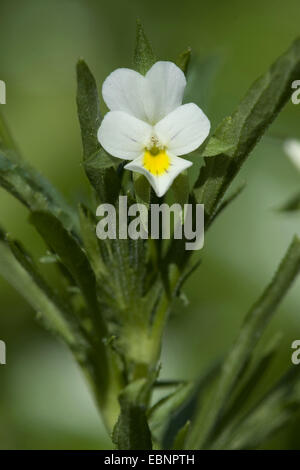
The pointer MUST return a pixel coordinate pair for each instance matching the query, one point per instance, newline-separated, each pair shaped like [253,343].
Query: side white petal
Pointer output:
[292,149]
[160,183]
[184,129]
[126,90]
[166,82]
[122,135]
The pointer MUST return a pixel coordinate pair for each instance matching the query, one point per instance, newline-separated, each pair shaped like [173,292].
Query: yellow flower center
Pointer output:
[156,161]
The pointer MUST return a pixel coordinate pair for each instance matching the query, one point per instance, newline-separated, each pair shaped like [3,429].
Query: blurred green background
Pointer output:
[44,402]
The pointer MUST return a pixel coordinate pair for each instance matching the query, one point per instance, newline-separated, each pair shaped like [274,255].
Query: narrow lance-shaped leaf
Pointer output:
[34,191]
[144,57]
[252,329]
[74,259]
[88,109]
[99,166]
[240,401]
[275,410]
[162,411]
[241,131]
[18,269]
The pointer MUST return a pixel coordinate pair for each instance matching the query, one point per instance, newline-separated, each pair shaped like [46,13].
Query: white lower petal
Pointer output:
[292,149]
[160,183]
[123,135]
[184,129]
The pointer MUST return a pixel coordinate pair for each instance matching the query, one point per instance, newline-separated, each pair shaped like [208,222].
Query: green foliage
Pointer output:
[99,166]
[204,427]
[292,205]
[117,294]
[132,431]
[183,61]
[144,57]
[18,268]
[236,136]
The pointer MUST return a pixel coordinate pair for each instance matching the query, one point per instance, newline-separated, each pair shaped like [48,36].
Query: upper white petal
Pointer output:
[160,183]
[123,136]
[126,90]
[149,98]
[184,129]
[166,82]
[292,149]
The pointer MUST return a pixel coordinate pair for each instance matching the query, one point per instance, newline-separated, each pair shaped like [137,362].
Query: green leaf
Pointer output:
[132,431]
[241,131]
[36,193]
[292,205]
[181,188]
[63,243]
[99,166]
[183,60]
[101,172]
[254,373]
[162,411]
[19,270]
[179,442]
[88,109]
[216,146]
[206,420]
[144,57]
[278,408]
[91,243]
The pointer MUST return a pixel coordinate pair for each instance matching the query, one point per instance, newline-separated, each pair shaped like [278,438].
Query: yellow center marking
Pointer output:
[156,161]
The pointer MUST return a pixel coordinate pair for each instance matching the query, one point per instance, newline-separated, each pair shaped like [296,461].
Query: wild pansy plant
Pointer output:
[116,295]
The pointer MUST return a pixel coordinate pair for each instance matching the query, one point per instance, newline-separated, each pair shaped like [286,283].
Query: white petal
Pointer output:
[126,90]
[167,83]
[149,98]
[292,149]
[123,136]
[184,129]
[160,183]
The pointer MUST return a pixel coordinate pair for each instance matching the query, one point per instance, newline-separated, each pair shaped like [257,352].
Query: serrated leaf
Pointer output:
[144,57]
[206,420]
[216,146]
[245,127]
[132,431]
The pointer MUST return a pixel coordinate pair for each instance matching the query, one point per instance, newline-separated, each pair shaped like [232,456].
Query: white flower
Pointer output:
[292,149]
[148,124]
